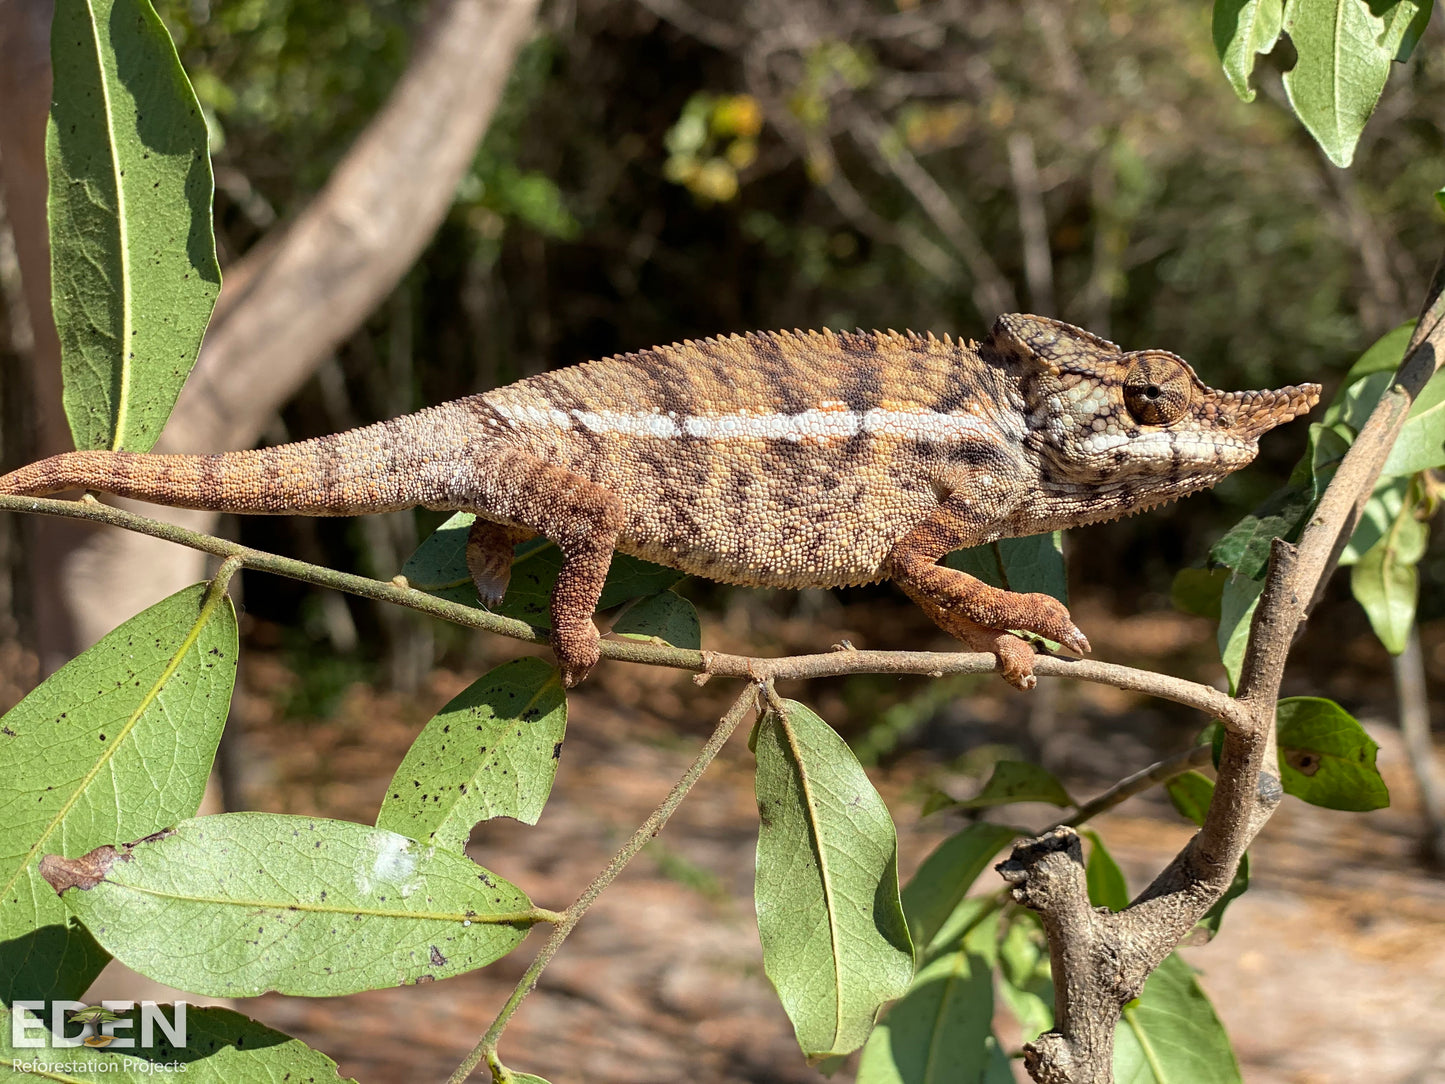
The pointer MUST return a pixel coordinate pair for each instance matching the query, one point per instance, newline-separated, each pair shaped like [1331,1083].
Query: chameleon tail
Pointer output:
[390,465]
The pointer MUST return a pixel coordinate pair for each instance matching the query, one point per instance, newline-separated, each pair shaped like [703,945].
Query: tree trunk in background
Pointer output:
[283,307]
[25,90]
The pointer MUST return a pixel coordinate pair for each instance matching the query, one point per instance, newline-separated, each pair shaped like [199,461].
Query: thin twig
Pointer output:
[1140,781]
[720,35]
[487,1045]
[992,291]
[1033,223]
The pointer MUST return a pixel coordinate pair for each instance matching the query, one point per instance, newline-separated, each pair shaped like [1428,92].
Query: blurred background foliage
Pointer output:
[671,168]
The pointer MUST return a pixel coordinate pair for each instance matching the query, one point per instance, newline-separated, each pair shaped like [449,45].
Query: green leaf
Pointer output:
[1018,781]
[1245,547]
[439,564]
[1107,887]
[1377,517]
[666,616]
[1358,395]
[1355,401]
[1345,50]
[937,889]
[1325,756]
[1236,612]
[1025,981]
[835,943]
[509,1077]
[1213,736]
[1421,444]
[221,1047]
[439,567]
[1172,1035]
[133,257]
[1385,581]
[241,903]
[1242,30]
[118,743]
[1198,591]
[1404,23]
[1191,794]
[491,752]
[1032,563]
[1238,886]
[941,1031]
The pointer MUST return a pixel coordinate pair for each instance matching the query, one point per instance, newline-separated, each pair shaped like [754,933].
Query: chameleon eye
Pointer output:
[1157,390]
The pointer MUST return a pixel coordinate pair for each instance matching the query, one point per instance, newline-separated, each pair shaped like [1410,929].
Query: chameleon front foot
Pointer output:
[1015,654]
[980,616]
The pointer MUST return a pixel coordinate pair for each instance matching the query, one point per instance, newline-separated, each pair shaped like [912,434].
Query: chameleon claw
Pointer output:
[1075,641]
[576,659]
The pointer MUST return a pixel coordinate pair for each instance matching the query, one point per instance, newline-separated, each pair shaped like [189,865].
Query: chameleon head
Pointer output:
[1112,433]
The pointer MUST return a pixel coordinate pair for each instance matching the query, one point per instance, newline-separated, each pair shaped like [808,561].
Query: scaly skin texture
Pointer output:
[803,459]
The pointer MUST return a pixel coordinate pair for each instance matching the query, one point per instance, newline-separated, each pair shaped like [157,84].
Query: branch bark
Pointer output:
[1101,961]
[288,303]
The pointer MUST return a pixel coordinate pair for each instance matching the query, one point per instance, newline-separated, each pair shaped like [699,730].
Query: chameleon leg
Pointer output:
[581,517]
[975,612]
[489,557]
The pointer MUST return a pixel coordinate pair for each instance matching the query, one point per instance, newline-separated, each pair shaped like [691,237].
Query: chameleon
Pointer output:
[770,459]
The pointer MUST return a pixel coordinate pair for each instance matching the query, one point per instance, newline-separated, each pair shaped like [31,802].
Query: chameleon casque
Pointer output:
[777,459]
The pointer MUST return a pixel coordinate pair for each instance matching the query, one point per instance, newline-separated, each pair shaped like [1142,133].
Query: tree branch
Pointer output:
[1033,223]
[1047,875]
[1111,957]
[1414,714]
[992,291]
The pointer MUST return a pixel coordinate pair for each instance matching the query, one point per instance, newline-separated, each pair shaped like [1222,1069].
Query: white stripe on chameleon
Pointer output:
[927,425]
[810,425]
[1160,444]
[816,425]
[632,425]
[525,414]
[823,425]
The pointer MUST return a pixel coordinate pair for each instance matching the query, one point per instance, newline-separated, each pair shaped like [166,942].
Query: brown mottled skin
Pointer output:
[804,459]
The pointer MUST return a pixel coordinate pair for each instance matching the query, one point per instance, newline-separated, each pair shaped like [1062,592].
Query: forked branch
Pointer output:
[1100,961]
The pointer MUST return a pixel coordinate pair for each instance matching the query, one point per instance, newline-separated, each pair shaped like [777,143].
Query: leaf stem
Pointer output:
[486,1046]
